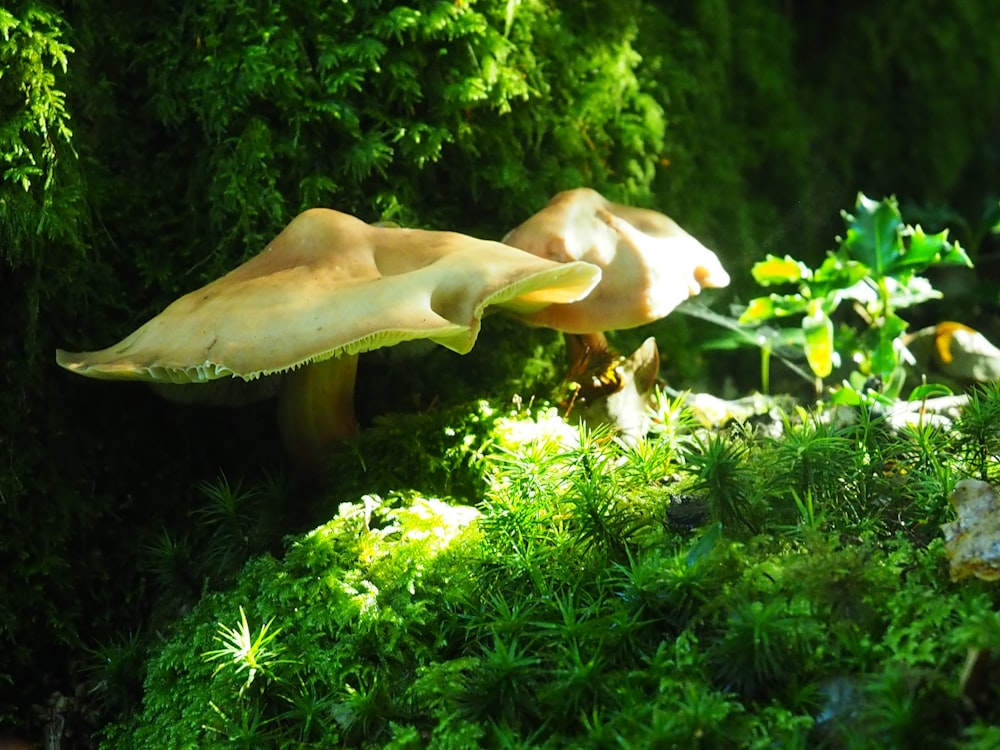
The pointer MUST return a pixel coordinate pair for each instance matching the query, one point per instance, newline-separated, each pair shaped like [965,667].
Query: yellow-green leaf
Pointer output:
[775,270]
[818,329]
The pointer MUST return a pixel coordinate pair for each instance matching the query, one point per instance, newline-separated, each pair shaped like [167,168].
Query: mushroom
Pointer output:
[650,265]
[610,389]
[324,290]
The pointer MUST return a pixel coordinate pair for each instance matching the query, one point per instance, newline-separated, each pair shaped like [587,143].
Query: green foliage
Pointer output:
[978,431]
[114,673]
[238,523]
[38,195]
[814,461]
[567,610]
[42,211]
[245,652]
[413,113]
[439,452]
[724,474]
[876,267]
[44,272]
[763,645]
[348,648]
[230,525]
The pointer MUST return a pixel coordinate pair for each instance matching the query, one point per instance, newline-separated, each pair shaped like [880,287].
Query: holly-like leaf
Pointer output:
[775,270]
[773,306]
[874,234]
[840,271]
[925,250]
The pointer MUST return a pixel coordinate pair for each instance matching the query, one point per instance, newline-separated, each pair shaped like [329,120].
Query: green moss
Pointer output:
[568,609]
[40,190]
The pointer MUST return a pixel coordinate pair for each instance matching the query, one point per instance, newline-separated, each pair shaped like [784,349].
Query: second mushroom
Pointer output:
[649,265]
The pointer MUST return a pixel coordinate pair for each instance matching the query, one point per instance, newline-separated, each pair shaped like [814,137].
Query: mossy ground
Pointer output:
[555,598]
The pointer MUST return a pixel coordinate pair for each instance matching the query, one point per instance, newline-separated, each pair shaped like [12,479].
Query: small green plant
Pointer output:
[876,268]
[255,655]
[723,474]
[670,588]
[503,682]
[232,516]
[979,430]
[763,645]
[600,513]
[114,674]
[173,568]
[815,468]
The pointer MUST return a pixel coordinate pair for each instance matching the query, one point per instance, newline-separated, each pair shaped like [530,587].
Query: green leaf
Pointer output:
[874,234]
[929,390]
[775,270]
[773,306]
[818,330]
[396,22]
[840,271]
[924,250]
[7,24]
[508,20]
[885,358]
[856,394]
[846,395]
[700,549]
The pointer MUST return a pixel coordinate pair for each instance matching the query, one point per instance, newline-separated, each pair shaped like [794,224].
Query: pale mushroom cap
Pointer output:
[330,284]
[650,265]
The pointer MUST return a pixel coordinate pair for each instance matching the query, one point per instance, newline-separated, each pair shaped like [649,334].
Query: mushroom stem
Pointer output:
[316,409]
[580,349]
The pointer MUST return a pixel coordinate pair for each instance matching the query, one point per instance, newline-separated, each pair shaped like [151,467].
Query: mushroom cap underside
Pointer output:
[328,285]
